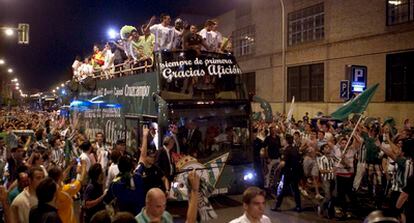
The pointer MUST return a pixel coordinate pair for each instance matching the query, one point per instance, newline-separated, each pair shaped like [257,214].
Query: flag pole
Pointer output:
[349,140]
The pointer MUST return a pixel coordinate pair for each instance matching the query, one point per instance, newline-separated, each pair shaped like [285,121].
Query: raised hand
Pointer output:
[145,130]
[194,180]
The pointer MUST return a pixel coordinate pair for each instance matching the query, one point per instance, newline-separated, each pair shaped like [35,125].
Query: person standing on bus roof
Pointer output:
[193,41]
[209,36]
[164,33]
[179,27]
[146,44]
[218,37]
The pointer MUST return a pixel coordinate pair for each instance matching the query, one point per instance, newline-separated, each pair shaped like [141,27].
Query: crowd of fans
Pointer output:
[319,159]
[136,47]
[47,165]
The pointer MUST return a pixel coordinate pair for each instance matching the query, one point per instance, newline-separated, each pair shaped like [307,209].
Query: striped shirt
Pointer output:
[403,170]
[362,154]
[57,156]
[326,163]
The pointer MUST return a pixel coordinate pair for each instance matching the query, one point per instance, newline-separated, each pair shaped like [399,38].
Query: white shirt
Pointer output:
[75,66]
[21,205]
[164,36]
[219,41]
[108,62]
[212,38]
[244,219]
[155,140]
[85,70]
[103,159]
[85,157]
[112,172]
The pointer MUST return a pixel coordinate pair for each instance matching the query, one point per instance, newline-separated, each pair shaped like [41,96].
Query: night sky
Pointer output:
[62,29]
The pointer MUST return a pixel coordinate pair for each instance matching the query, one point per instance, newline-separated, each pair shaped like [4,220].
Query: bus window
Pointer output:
[207,133]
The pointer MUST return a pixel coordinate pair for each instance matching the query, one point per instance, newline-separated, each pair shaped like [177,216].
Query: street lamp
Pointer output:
[282,6]
[62,85]
[54,91]
[15,80]
[17,84]
[112,34]
[10,70]
[57,88]
[2,62]
[8,31]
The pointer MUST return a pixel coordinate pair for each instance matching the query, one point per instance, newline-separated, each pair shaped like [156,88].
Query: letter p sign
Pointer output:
[358,74]
[358,78]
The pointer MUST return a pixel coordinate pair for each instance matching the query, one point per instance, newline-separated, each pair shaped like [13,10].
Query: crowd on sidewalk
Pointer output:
[329,164]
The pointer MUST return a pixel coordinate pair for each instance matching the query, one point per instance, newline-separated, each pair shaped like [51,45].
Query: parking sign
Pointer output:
[344,89]
[358,78]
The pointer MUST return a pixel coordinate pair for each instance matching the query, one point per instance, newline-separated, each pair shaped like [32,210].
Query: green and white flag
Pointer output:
[356,105]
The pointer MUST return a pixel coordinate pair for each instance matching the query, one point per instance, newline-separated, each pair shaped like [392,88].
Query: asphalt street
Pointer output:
[230,207]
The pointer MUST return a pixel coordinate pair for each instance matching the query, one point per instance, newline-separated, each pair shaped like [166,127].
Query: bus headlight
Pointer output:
[249,176]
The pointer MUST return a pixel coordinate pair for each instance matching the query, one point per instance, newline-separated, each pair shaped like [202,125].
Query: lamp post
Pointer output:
[284,79]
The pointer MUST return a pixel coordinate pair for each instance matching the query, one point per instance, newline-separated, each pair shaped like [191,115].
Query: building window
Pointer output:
[400,77]
[306,25]
[399,11]
[250,80]
[306,82]
[244,41]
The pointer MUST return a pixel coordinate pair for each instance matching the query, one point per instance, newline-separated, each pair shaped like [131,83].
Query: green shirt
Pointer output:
[145,44]
[373,151]
[143,218]
[13,194]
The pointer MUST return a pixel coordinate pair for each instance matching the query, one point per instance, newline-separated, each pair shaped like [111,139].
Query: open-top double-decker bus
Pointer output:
[190,90]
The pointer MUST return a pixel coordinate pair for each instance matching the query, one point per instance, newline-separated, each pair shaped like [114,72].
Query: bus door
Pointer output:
[133,129]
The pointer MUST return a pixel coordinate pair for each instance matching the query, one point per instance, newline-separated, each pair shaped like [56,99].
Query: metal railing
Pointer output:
[123,69]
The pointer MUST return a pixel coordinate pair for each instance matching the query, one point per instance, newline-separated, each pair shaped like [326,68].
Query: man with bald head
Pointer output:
[154,210]
[155,204]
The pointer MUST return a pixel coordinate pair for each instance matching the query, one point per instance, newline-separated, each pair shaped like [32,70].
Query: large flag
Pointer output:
[356,105]
[209,174]
[290,113]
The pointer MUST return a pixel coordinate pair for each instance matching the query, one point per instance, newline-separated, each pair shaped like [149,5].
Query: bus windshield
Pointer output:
[206,132]
[189,75]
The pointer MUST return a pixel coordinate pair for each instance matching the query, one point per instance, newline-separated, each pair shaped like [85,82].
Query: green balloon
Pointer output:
[126,30]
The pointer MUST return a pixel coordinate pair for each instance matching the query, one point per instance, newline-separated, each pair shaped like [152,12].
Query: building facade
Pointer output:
[323,39]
